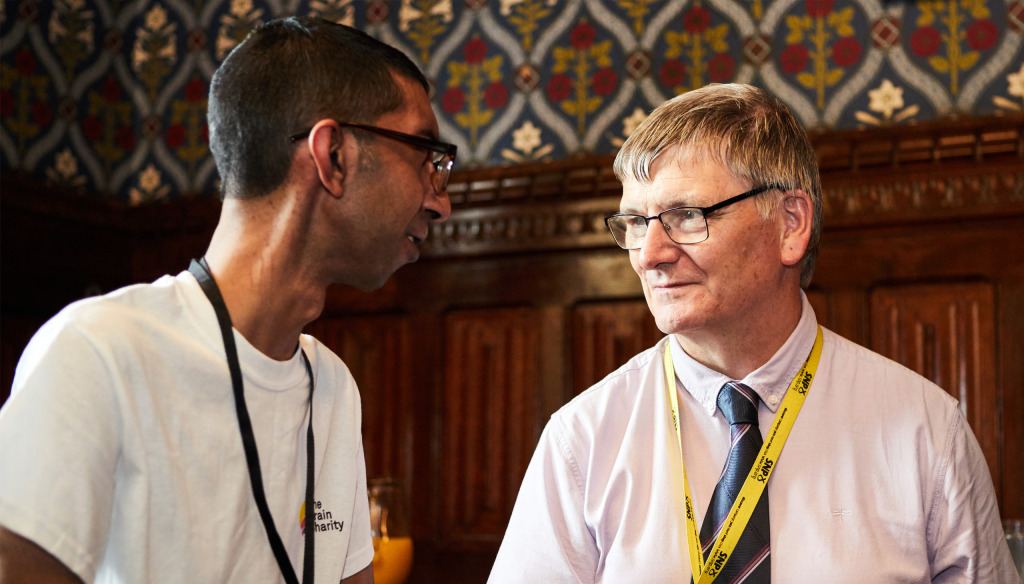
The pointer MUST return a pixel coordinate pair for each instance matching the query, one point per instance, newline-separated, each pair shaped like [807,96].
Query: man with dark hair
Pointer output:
[185,430]
[670,468]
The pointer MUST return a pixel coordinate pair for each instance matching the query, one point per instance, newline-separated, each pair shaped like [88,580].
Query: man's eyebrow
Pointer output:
[681,201]
[428,133]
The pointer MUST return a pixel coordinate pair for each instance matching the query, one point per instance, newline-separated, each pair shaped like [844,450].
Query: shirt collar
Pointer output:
[770,381]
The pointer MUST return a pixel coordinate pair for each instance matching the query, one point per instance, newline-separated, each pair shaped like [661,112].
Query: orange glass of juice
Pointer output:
[389,525]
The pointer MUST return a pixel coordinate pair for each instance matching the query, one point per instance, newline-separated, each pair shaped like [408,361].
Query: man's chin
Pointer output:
[370,283]
[673,323]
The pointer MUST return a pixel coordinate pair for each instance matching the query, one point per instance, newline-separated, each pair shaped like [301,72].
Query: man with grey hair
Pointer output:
[750,444]
[186,430]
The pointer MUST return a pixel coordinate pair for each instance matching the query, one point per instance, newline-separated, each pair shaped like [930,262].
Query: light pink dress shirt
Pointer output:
[881,479]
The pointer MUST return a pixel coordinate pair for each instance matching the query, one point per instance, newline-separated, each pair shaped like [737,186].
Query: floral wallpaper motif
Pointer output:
[109,96]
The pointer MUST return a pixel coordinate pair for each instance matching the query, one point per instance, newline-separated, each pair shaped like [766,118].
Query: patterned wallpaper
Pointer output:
[108,96]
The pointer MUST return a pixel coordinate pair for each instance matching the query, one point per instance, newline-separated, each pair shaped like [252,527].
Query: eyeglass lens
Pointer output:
[683,225]
[442,170]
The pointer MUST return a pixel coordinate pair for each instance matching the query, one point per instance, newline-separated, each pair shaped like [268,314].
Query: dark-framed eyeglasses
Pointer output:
[683,225]
[442,153]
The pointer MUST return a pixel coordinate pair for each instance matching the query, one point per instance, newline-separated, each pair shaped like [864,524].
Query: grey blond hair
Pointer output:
[744,129]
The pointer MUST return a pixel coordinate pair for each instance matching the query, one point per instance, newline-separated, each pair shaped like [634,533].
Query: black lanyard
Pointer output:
[202,273]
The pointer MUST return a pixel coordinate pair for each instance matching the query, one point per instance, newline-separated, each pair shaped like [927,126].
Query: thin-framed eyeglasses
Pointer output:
[442,153]
[684,225]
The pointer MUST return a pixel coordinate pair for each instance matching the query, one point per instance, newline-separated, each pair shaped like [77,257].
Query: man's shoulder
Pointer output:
[136,299]
[116,315]
[874,371]
[619,388]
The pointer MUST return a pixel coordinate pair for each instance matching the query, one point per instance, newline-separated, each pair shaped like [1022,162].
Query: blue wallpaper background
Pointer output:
[109,96]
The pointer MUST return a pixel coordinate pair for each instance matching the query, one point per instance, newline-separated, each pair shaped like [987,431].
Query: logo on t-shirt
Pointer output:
[323,519]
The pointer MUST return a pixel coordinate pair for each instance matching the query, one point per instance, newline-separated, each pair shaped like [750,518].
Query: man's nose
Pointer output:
[657,247]
[438,206]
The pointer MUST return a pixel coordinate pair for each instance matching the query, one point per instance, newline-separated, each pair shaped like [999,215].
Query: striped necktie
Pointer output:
[750,562]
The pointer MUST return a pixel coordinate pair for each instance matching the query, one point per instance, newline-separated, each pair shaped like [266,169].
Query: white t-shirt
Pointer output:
[881,479]
[120,451]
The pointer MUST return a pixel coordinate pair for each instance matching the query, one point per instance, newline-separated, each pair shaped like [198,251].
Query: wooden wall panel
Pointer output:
[607,334]
[377,350]
[946,332]
[490,407]
[1010,295]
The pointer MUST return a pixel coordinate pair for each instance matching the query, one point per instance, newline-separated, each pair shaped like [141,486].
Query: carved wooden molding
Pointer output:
[925,198]
[579,223]
[517,228]
[895,175]
[934,171]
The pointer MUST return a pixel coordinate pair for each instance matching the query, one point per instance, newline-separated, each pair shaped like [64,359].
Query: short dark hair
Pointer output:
[284,77]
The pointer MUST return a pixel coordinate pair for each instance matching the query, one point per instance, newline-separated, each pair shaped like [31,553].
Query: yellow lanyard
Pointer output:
[755,482]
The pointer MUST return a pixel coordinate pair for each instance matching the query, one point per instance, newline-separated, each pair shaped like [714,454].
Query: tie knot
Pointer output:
[738,404]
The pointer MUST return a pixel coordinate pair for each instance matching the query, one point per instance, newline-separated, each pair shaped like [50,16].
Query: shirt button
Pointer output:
[773,399]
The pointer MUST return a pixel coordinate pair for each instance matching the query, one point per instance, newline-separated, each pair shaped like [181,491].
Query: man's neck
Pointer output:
[259,267]
[737,353]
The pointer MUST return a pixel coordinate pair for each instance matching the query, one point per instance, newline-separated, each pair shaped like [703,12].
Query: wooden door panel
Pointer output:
[606,335]
[489,412]
[379,351]
[946,332]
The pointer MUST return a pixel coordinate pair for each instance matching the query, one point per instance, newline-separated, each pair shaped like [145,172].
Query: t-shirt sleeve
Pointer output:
[964,531]
[59,436]
[547,539]
[360,544]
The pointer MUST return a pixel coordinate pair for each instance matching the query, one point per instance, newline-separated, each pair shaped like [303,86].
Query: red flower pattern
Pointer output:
[846,52]
[721,67]
[453,100]
[175,136]
[982,35]
[793,59]
[696,20]
[582,36]
[25,63]
[926,41]
[92,128]
[819,8]
[475,50]
[605,81]
[110,90]
[195,90]
[495,95]
[560,87]
[672,73]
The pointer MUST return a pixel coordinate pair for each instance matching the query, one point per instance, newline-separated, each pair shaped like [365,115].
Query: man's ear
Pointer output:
[797,215]
[326,144]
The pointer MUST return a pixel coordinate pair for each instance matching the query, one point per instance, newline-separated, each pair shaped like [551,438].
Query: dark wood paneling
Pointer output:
[375,349]
[607,334]
[946,333]
[1010,387]
[490,405]
[842,310]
